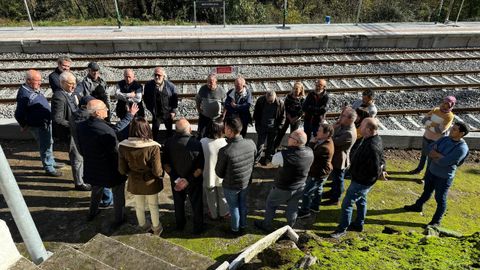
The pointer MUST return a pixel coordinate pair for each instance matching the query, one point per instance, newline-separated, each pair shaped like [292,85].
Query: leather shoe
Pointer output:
[330,202]
[91,216]
[83,187]
[54,173]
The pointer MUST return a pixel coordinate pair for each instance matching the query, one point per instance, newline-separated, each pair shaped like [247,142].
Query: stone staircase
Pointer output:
[135,251]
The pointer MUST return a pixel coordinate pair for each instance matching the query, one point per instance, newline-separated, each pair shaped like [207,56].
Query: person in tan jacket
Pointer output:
[139,158]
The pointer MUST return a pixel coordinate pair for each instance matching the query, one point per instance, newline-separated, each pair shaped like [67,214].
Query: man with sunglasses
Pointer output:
[161,99]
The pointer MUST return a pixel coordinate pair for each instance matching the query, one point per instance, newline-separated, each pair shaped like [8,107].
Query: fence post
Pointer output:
[119,22]
[459,10]
[224,20]
[28,12]
[195,13]
[21,215]
[447,19]
[439,11]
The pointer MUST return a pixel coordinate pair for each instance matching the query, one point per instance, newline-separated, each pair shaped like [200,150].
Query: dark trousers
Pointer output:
[194,192]
[281,132]
[203,123]
[441,187]
[156,122]
[267,138]
[311,128]
[118,200]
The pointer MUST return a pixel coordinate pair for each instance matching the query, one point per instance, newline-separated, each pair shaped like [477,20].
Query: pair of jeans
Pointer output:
[107,196]
[237,203]
[281,132]
[43,136]
[423,159]
[277,197]
[440,186]
[76,160]
[312,194]
[338,178]
[118,196]
[356,194]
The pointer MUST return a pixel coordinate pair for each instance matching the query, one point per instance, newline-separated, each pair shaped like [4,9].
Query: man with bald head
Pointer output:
[183,161]
[64,105]
[367,166]
[129,91]
[315,108]
[238,102]
[33,114]
[295,162]
[98,145]
[161,99]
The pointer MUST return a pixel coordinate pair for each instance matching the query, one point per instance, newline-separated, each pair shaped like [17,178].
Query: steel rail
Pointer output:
[292,63]
[302,78]
[257,54]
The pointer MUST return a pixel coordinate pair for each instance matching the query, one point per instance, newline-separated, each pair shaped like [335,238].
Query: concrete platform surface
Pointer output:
[108,39]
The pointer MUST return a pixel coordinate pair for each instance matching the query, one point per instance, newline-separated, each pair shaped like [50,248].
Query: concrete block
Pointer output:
[9,254]
[70,258]
[120,256]
[10,130]
[167,251]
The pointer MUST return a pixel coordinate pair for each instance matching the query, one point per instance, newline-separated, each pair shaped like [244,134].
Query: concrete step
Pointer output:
[120,256]
[167,251]
[23,264]
[69,258]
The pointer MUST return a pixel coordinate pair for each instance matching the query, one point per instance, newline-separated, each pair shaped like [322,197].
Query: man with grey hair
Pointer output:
[209,100]
[161,99]
[368,164]
[269,117]
[238,102]
[98,145]
[183,160]
[295,162]
[33,114]
[63,64]
[64,105]
[344,137]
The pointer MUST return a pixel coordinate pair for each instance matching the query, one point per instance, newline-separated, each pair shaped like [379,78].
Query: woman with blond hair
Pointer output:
[293,111]
[139,158]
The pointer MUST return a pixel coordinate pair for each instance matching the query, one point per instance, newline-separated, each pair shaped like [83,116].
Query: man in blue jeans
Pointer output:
[235,166]
[288,187]
[33,113]
[367,165]
[446,154]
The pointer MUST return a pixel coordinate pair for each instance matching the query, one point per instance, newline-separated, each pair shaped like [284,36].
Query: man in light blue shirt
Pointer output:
[446,154]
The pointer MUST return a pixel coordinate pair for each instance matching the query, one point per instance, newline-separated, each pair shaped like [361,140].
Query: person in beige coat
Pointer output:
[139,158]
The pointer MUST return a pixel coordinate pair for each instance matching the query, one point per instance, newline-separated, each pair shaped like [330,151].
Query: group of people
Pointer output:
[219,160]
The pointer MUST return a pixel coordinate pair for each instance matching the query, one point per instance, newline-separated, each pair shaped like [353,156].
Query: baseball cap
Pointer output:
[93,66]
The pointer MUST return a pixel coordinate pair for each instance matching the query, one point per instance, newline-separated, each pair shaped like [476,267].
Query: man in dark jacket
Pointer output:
[315,107]
[290,182]
[238,102]
[367,166]
[161,100]
[63,64]
[269,116]
[64,104]
[98,146]
[33,114]
[323,149]
[235,166]
[129,91]
[183,161]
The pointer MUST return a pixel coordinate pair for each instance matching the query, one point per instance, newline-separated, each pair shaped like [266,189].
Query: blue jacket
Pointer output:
[32,108]
[243,106]
[454,152]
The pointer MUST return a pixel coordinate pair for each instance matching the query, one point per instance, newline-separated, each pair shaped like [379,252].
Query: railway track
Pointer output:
[338,83]
[264,59]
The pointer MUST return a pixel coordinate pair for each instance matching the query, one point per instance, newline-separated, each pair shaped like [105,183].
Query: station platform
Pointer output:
[110,39]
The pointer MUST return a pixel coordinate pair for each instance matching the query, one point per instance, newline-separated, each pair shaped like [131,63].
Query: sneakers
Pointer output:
[338,234]
[83,187]
[433,224]
[54,173]
[412,208]
[157,230]
[355,228]
[302,214]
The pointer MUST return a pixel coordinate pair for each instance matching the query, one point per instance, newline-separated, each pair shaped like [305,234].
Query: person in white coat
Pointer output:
[212,184]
